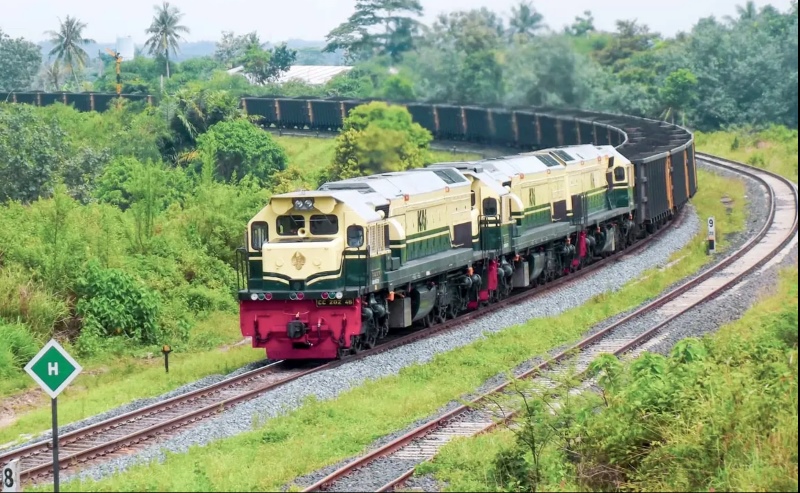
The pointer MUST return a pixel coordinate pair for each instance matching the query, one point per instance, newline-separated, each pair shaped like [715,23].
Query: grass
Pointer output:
[321,433]
[753,461]
[108,382]
[774,149]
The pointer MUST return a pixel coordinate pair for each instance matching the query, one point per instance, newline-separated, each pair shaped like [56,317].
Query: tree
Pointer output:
[164,32]
[548,72]
[377,27]
[677,93]
[582,25]
[67,43]
[228,49]
[267,65]
[398,88]
[525,21]
[240,149]
[19,60]
[460,58]
[193,111]
[377,138]
[630,39]
[32,150]
[52,75]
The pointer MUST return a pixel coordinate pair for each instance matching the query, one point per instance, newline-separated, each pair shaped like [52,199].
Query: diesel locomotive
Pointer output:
[334,270]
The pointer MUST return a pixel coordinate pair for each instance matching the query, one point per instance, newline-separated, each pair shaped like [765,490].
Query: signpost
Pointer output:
[11,476]
[53,369]
[712,235]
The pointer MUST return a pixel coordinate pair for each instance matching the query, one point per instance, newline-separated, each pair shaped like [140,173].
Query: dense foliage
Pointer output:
[377,138]
[106,238]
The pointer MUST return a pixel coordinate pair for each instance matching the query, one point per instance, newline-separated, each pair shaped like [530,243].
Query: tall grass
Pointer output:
[774,149]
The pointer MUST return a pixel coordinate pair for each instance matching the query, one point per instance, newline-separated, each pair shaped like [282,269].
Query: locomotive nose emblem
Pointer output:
[298,260]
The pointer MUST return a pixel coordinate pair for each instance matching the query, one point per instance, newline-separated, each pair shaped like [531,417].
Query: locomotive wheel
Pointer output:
[452,311]
[371,339]
[357,344]
[441,314]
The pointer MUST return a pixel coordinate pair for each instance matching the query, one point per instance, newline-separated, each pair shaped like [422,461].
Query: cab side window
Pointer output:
[490,207]
[258,235]
[355,236]
[619,174]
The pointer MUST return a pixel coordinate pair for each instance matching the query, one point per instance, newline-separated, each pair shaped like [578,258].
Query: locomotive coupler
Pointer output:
[296,329]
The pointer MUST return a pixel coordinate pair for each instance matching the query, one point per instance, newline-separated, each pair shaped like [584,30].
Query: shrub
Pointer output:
[18,347]
[240,149]
[113,303]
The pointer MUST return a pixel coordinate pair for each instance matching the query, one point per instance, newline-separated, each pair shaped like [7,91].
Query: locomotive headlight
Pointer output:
[254,296]
[339,295]
[303,204]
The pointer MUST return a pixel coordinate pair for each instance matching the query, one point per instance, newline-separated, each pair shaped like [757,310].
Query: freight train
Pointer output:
[327,272]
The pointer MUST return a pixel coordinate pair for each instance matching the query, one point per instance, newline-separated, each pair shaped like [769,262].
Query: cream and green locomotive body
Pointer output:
[334,270]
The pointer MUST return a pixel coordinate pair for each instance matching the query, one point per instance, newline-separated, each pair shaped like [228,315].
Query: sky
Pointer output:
[279,20]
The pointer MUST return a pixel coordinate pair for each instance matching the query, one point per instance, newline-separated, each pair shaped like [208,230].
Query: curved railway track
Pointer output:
[422,443]
[124,434]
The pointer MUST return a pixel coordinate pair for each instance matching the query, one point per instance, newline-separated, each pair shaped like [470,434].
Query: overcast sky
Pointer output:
[277,20]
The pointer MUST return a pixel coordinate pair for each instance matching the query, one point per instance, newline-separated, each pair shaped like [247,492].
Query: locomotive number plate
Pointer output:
[329,302]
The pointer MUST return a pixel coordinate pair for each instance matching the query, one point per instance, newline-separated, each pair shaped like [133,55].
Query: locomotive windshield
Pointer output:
[324,224]
[290,225]
[319,224]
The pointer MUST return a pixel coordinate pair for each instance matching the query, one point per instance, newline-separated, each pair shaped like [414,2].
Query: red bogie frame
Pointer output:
[266,323]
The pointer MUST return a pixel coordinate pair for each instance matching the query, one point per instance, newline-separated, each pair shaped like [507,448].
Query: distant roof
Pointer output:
[310,74]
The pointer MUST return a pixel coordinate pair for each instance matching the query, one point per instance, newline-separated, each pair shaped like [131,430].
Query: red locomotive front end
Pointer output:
[301,328]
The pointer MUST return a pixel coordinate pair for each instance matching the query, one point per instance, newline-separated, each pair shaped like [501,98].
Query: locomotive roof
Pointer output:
[573,155]
[390,186]
[363,206]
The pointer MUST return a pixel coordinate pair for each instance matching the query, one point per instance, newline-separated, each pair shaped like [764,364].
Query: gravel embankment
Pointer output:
[329,384]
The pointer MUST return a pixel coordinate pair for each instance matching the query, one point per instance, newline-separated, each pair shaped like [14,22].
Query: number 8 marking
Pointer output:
[8,478]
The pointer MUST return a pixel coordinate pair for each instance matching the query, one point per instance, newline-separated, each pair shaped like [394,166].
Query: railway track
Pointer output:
[424,442]
[126,433]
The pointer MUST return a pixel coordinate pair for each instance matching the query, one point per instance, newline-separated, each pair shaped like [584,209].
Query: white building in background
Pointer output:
[310,74]
[125,48]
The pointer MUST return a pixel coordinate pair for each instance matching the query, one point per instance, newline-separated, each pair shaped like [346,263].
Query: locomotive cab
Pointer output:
[309,254]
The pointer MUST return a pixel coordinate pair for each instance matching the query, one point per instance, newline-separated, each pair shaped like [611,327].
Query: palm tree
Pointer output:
[52,74]
[747,12]
[525,20]
[67,43]
[164,31]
